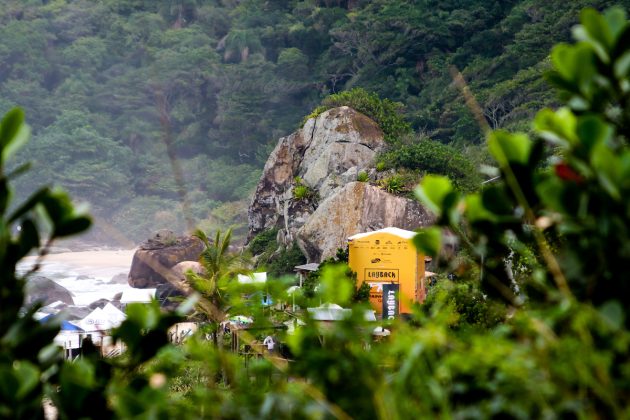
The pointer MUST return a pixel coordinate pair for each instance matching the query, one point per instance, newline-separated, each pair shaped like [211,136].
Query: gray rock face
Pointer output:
[328,152]
[150,263]
[357,207]
[43,290]
[120,278]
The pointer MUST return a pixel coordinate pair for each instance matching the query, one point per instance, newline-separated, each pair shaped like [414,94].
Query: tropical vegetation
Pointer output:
[533,324]
[161,114]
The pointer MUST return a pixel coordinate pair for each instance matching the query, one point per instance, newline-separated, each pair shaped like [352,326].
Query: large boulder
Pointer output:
[328,152]
[43,290]
[357,207]
[157,256]
[180,269]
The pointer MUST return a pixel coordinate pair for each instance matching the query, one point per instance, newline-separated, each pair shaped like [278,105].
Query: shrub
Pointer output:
[263,241]
[433,157]
[393,184]
[301,192]
[363,177]
[286,260]
[400,183]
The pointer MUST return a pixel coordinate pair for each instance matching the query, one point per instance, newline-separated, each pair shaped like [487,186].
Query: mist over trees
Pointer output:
[112,87]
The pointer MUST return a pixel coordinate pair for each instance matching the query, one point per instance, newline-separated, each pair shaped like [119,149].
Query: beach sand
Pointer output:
[96,259]
[89,262]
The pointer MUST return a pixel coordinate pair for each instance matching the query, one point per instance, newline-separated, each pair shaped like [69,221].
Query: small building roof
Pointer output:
[133,295]
[100,320]
[406,234]
[306,267]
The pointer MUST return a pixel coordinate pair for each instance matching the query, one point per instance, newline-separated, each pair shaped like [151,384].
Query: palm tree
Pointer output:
[220,267]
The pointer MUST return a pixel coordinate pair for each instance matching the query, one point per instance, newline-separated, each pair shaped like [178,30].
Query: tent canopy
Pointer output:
[329,312]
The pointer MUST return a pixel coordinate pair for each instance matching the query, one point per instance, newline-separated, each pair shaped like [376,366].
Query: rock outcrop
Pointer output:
[328,152]
[357,207]
[159,254]
[43,290]
[180,269]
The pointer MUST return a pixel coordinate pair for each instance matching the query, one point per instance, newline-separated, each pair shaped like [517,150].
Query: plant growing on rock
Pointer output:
[301,191]
[363,177]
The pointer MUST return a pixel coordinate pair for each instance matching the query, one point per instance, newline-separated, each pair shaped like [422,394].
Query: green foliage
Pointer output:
[263,242]
[301,191]
[31,366]
[431,157]
[467,302]
[339,263]
[556,220]
[363,177]
[226,79]
[394,184]
[220,266]
[284,262]
[561,351]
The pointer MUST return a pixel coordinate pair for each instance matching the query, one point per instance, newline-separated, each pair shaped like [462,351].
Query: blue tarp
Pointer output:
[65,325]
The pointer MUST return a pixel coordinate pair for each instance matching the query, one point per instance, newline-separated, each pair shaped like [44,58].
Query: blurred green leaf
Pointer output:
[13,133]
[429,241]
[509,148]
[433,191]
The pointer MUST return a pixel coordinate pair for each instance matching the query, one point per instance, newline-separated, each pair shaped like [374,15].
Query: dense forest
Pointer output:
[122,94]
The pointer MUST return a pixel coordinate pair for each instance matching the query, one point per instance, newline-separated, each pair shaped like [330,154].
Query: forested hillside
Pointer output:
[113,88]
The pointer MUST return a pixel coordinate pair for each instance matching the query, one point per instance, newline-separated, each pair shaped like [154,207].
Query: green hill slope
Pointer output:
[113,88]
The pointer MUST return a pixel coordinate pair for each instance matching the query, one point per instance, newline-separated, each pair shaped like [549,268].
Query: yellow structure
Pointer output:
[388,256]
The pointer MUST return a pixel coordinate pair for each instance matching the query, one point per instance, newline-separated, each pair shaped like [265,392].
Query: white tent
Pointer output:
[137,296]
[114,314]
[252,278]
[95,321]
[102,319]
[329,312]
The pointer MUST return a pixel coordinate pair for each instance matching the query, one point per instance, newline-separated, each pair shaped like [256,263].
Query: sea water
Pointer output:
[87,275]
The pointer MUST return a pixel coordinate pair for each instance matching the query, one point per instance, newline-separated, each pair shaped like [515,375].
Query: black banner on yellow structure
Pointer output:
[390,300]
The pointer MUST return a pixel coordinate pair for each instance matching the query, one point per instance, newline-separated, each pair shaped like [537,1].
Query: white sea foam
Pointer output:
[87,275]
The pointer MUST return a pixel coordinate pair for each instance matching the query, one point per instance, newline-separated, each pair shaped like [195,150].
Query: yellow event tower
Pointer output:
[387,260]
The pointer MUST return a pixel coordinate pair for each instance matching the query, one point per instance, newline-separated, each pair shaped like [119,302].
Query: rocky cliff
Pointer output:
[328,152]
[323,159]
[355,208]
